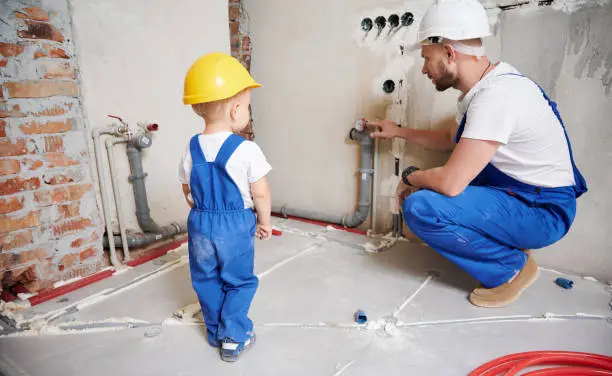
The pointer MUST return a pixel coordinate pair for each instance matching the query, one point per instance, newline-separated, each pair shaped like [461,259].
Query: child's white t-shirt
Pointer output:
[247,164]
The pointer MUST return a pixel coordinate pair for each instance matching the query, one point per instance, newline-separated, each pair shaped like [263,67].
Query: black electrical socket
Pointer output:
[389,86]
[407,19]
[394,20]
[367,24]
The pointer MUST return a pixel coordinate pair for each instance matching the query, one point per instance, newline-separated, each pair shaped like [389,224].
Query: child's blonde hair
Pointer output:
[216,110]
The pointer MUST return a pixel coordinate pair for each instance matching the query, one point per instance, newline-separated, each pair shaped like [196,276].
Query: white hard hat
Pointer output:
[454,20]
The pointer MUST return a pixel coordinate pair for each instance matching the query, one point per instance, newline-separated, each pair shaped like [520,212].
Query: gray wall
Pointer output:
[320,74]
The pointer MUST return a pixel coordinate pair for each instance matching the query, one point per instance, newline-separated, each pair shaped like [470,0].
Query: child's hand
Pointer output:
[263,232]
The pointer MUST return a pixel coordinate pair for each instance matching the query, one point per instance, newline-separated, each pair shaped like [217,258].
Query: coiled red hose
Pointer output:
[568,363]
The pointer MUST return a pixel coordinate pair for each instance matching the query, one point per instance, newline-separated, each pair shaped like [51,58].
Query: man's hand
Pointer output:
[263,232]
[385,129]
[402,192]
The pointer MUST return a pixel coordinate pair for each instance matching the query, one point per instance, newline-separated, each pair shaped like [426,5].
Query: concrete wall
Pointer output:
[570,54]
[133,57]
[49,222]
[321,72]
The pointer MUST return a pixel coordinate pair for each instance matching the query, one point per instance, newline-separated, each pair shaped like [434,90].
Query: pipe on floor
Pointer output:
[144,239]
[117,196]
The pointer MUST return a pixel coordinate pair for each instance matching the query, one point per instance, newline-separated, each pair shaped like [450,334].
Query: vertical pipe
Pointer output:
[116,195]
[374,186]
[105,208]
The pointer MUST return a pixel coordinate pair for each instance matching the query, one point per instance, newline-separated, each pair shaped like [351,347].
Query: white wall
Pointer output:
[320,75]
[133,56]
[570,54]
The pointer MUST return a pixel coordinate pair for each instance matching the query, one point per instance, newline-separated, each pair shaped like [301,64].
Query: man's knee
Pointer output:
[420,209]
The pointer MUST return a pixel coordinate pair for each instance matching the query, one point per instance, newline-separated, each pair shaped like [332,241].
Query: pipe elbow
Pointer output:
[358,217]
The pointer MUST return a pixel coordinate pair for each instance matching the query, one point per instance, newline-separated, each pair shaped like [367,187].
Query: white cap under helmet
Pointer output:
[449,21]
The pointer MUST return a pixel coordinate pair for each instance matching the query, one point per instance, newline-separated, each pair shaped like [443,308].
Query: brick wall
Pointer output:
[240,45]
[49,223]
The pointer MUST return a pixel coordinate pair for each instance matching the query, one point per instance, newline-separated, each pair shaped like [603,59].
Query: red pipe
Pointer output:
[511,365]
[49,294]
[321,223]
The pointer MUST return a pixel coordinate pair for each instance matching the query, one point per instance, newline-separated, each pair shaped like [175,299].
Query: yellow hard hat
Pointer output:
[216,76]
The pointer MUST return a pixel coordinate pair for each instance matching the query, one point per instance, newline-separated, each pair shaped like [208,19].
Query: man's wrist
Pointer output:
[407,173]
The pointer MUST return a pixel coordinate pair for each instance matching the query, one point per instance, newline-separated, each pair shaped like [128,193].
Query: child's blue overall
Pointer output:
[221,245]
[483,229]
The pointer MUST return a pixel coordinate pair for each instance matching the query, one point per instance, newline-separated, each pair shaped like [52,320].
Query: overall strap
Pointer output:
[197,155]
[580,182]
[227,149]
[461,128]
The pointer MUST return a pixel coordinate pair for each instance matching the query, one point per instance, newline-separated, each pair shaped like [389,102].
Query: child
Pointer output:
[223,178]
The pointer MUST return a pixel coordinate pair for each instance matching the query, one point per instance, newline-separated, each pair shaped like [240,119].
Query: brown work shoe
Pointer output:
[508,292]
[483,291]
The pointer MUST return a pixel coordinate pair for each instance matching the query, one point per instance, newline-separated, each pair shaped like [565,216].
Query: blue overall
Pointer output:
[484,229]
[221,246]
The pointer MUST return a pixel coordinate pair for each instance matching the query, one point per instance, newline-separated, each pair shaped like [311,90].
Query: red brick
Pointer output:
[41,30]
[57,179]
[246,45]
[55,69]
[16,239]
[10,149]
[33,13]
[10,111]
[76,192]
[70,226]
[53,111]
[47,50]
[54,144]
[88,253]
[51,196]
[32,164]
[11,49]
[234,28]
[41,89]
[60,160]
[78,243]
[34,127]
[68,261]
[234,13]
[30,255]
[2,129]
[14,185]
[11,223]
[9,166]
[9,205]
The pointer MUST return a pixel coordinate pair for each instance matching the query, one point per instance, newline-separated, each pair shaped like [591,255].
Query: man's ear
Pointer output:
[451,55]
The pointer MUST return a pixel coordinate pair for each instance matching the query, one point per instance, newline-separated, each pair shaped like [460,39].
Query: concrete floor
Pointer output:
[312,280]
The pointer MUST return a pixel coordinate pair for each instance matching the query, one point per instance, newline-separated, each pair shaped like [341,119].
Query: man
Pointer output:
[510,183]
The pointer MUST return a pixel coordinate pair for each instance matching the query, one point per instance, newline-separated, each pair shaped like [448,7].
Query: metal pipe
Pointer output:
[374,186]
[284,211]
[116,194]
[144,239]
[137,177]
[96,133]
[365,189]
[366,170]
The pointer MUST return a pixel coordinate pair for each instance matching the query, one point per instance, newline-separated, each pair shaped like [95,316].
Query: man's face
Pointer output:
[437,68]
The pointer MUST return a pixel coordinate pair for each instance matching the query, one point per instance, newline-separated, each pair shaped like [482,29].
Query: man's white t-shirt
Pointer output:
[512,111]
[247,165]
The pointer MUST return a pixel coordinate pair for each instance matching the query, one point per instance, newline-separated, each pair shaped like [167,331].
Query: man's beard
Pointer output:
[446,80]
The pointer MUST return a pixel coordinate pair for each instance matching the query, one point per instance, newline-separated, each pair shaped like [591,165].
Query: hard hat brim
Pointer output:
[195,99]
